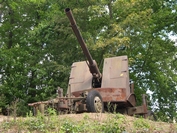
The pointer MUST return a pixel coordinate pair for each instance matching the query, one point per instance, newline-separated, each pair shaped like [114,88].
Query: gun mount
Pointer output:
[115,88]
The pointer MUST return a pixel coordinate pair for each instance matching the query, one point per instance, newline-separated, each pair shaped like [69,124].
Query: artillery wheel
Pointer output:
[94,102]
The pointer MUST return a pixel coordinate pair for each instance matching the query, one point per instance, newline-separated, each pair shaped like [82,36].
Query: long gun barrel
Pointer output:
[92,64]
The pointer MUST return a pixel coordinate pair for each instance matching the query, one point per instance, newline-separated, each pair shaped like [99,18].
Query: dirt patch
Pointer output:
[79,117]
[5,118]
[2,118]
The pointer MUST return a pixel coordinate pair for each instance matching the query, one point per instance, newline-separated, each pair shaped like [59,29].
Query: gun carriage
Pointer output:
[90,91]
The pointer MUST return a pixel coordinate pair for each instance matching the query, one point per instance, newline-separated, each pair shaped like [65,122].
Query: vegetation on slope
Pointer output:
[84,123]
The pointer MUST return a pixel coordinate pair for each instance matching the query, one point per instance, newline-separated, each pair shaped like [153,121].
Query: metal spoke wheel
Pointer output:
[94,102]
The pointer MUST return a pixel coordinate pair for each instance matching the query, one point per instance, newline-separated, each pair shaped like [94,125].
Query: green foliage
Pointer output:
[141,124]
[2,100]
[69,127]
[42,123]
[37,123]
[22,108]
[114,124]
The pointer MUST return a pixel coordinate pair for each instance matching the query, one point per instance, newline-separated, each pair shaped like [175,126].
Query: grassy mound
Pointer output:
[84,123]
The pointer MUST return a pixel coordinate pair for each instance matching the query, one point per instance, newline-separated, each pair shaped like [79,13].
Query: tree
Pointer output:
[141,30]
[28,71]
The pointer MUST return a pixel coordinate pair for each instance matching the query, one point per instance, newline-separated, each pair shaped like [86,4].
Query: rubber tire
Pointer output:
[90,101]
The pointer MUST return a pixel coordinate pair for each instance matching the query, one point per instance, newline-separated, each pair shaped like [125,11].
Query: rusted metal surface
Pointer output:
[136,110]
[44,102]
[116,73]
[80,107]
[132,99]
[107,94]
[140,110]
[112,94]
[145,105]
[80,77]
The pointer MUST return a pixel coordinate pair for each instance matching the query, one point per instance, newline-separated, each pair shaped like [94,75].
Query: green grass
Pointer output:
[84,123]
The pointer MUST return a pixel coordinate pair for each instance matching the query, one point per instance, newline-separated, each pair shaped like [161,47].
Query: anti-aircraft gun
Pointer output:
[91,91]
